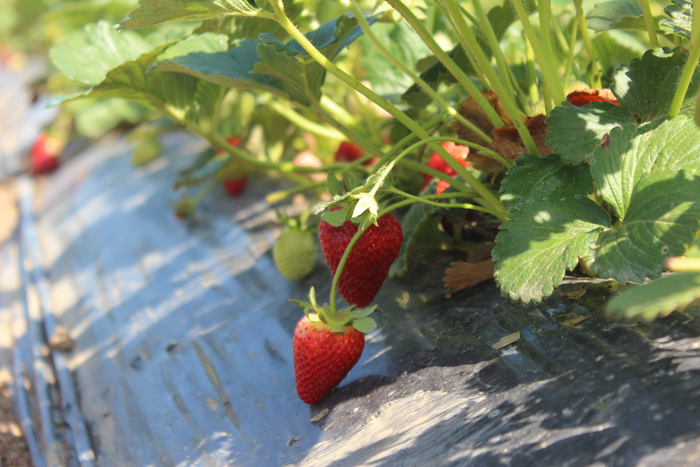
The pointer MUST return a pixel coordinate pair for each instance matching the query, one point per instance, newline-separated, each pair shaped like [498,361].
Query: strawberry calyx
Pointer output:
[359,318]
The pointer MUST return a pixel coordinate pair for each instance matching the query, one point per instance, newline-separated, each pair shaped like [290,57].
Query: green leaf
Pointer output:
[388,80]
[542,178]
[541,241]
[616,15]
[334,186]
[269,65]
[88,58]
[302,304]
[152,12]
[174,92]
[365,325]
[233,68]
[337,218]
[662,216]
[681,18]
[658,298]
[633,153]
[574,132]
[646,86]
[298,74]
[419,226]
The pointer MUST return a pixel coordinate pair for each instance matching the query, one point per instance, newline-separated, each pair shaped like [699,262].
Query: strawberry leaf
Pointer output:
[658,298]
[681,18]
[334,186]
[574,132]
[541,241]
[646,86]
[157,90]
[634,152]
[152,12]
[365,325]
[90,56]
[662,216]
[535,178]
[302,304]
[270,65]
[617,14]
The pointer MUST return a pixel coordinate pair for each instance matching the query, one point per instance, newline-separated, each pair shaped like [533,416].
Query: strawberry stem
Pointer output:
[338,272]
[425,200]
[489,198]
[689,69]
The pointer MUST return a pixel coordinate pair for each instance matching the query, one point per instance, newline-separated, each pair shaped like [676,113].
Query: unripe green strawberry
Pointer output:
[322,359]
[294,253]
[146,150]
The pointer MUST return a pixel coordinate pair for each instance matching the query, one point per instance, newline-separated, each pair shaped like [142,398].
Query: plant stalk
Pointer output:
[505,93]
[339,271]
[352,5]
[650,24]
[284,21]
[451,66]
[544,59]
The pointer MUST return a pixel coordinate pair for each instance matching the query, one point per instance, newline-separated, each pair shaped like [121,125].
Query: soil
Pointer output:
[13,448]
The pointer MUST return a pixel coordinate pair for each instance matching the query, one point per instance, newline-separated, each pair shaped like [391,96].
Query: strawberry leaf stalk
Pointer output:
[327,346]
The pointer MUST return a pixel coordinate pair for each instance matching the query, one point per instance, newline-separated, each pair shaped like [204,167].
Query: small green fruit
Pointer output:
[146,150]
[295,253]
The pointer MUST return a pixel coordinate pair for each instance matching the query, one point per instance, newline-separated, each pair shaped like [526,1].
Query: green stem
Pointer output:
[424,169]
[545,12]
[464,45]
[544,59]
[282,194]
[690,66]
[426,87]
[340,113]
[650,24]
[216,114]
[451,66]
[593,81]
[419,199]
[338,272]
[520,94]
[505,93]
[531,73]
[570,58]
[288,26]
[302,122]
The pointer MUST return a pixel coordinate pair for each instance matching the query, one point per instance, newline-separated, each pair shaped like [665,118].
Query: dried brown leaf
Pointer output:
[461,275]
[472,112]
[507,141]
[574,321]
[507,340]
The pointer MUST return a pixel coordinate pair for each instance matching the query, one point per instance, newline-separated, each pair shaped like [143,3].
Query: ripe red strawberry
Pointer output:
[457,151]
[322,359]
[350,152]
[233,186]
[43,155]
[370,260]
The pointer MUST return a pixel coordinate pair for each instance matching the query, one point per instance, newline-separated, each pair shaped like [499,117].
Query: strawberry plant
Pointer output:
[556,139]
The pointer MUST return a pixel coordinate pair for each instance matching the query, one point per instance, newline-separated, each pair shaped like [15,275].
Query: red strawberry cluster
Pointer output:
[457,151]
[370,260]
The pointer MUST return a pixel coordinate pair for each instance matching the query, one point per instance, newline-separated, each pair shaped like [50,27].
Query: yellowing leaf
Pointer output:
[507,340]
